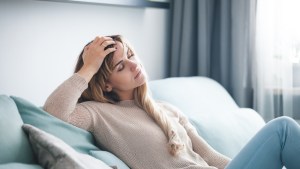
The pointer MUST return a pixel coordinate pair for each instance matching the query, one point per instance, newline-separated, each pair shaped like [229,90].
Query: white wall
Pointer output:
[41,40]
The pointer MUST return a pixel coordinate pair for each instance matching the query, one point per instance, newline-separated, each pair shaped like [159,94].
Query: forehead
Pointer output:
[119,52]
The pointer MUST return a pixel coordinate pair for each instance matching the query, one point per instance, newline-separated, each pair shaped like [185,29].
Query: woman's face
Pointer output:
[127,72]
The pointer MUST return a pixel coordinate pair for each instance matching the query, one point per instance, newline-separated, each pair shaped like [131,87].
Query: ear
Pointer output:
[108,87]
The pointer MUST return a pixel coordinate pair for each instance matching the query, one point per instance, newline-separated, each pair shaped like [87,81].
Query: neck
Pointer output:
[128,95]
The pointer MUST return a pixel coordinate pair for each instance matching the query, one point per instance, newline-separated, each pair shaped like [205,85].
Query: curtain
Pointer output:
[277,59]
[215,38]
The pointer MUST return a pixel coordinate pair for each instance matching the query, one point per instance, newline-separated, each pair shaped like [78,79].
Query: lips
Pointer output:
[138,74]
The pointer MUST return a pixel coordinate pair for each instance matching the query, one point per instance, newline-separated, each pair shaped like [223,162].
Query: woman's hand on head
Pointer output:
[94,54]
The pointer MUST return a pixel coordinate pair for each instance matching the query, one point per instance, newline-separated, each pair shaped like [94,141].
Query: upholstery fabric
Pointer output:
[19,166]
[12,138]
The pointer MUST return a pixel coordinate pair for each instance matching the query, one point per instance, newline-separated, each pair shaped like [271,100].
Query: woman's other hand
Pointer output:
[93,56]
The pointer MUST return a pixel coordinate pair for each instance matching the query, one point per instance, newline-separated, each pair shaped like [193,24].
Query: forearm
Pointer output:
[62,102]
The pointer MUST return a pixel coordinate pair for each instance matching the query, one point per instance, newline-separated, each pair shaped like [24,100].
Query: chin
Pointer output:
[142,80]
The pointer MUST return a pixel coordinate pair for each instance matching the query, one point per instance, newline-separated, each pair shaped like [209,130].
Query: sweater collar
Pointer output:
[126,103]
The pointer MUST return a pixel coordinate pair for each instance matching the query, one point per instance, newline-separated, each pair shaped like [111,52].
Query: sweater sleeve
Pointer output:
[200,146]
[62,103]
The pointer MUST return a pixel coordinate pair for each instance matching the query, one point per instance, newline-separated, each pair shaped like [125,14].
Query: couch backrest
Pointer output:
[189,93]
[210,108]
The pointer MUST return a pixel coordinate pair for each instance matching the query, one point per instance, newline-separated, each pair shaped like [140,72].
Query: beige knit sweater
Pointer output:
[127,131]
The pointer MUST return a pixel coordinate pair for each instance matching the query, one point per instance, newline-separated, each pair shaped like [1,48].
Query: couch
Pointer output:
[217,118]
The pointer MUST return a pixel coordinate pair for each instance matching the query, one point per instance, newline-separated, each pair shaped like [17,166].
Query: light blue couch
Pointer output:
[216,116]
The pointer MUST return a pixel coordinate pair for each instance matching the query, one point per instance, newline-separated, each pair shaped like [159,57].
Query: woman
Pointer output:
[107,95]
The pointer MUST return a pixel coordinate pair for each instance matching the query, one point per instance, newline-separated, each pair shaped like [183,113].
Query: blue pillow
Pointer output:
[14,145]
[79,139]
[20,165]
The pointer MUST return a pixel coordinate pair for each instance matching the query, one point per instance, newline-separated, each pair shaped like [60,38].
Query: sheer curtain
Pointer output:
[277,54]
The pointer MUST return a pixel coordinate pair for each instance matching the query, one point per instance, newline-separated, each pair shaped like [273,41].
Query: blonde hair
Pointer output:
[96,92]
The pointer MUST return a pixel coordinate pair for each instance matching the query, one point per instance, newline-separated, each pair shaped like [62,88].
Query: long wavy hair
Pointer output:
[96,92]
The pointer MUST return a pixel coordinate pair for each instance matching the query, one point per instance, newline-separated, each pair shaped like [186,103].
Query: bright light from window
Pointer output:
[286,21]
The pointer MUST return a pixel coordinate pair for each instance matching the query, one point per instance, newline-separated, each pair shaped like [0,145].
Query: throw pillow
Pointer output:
[14,145]
[55,154]
[41,119]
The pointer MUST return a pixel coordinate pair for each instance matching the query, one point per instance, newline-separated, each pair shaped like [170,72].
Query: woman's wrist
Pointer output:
[87,73]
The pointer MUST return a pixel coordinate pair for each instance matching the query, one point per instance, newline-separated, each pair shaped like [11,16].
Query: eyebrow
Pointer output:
[120,60]
[118,63]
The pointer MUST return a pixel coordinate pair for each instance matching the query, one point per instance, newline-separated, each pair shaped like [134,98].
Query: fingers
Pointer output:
[107,43]
[109,50]
[102,42]
[100,39]
[98,46]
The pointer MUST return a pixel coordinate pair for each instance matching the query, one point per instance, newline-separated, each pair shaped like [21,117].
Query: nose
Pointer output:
[133,65]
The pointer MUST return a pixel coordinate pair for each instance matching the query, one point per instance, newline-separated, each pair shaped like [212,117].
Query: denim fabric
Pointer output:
[276,145]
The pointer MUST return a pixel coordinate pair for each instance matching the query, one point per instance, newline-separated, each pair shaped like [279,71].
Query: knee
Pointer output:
[284,121]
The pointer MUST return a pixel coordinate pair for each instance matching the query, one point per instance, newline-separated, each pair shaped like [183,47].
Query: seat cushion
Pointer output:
[14,145]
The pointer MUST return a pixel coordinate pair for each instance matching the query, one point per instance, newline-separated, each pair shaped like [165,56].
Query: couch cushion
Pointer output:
[188,93]
[55,154]
[77,138]
[19,166]
[14,145]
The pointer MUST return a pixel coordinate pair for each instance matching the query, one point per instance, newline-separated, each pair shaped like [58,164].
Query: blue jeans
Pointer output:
[276,145]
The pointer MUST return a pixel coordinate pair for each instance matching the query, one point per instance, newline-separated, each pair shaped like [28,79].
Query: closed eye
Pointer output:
[129,53]
[120,67]
[131,56]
